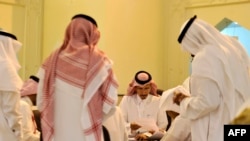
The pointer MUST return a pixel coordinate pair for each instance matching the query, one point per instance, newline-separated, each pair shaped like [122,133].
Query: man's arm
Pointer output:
[11,110]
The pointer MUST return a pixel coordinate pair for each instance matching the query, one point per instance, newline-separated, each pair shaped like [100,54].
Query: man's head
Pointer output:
[9,47]
[142,84]
[143,91]
[87,17]
[81,31]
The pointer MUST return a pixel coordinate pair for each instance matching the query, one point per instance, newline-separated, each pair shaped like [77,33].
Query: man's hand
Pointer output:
[151,131]
[134,126]
[178,97]
[141,137]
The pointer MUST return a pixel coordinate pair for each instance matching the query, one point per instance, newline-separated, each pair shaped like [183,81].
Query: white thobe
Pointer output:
[67,113]
[116,126]
[29,126]
[134,109]
[179,130]
[206,110]
[68,109]
[10,117]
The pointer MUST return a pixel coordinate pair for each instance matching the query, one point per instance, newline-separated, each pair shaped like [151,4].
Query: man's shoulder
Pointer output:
[132,99]
[129,97]
[24,103]
[154,98]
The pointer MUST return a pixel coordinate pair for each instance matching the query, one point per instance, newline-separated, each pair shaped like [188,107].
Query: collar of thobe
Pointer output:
[140,105]
[144,101]
[139,100]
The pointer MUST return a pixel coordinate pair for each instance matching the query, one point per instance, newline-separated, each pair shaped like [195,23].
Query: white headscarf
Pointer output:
[219,58]
[166,102]
[9,65]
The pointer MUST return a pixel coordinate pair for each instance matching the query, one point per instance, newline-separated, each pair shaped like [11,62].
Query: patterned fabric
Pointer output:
[79,63]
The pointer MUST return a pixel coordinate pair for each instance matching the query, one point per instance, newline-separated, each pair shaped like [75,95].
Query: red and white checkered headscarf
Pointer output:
[141,79]
[80,63]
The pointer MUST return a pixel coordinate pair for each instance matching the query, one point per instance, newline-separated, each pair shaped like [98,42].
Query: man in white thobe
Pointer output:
[180,128]
[140,106]
[116,126]
[77,87]
[27,105]
[10,85]
[219,82]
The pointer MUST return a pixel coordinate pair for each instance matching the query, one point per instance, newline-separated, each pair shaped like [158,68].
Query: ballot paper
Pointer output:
[147,124]
[156,136]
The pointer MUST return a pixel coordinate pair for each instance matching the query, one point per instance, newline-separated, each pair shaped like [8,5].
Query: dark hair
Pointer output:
[92,20]
[185,29]
[8,35]
[141,81]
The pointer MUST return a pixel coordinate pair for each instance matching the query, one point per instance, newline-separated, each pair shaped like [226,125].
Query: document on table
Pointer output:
[147,124]
[156,136]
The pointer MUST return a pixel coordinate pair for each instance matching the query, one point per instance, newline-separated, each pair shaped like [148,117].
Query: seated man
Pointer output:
[116,126]
[28,100]
[180,127]
[140,106]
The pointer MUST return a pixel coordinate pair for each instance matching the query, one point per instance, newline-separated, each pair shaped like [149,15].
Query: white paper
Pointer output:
[147,124]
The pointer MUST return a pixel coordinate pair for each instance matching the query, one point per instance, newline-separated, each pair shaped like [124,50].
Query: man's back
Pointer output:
[78,87]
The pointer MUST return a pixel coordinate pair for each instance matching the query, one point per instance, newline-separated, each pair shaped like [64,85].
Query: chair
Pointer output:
[159,91]
[169,121]
[37,116]
[105,133]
